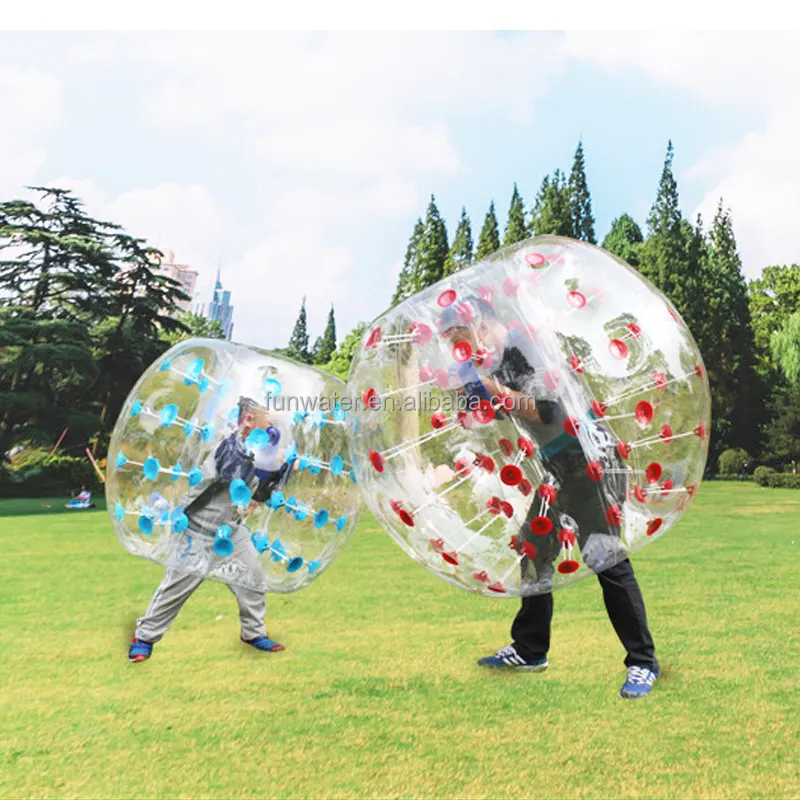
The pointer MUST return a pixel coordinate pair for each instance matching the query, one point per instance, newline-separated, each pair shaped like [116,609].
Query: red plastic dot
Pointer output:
[667,487]
[535,259]
[567,537]
[554,257]
[639,494]
[654,525]
[551,380]
[484,413]
[594,469]
[510,287]
[624,450]
[483,358]
[437,545]
[486,293]
[495,505]
[618,349]
[541,526]
[438,420]
[644,412]
[571,426]
[508,509]
[462,467]
[442,378]
[576,299]
[481,576]
[464,420]
[653,472]
[497,587]
[666,433]
[422,333]
[465,313]
[426,373]
[547,492]
[446,298]
[451,558]
[526,446]
[371,399]
[374,338]
[525,487]
[529,549]
[510,475]
[699,371]
[462,352]
[377,460]
[691,488]
[484,462]
[395,505]
[567,566]
[407,518]
[599,408]
[576,364]
[700,430]
[660,380]
[513,544]
[614,515]
[506,446]
[634,329]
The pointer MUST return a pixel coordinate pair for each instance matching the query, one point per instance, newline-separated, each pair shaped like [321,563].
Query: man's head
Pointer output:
[474,320]
[251,416]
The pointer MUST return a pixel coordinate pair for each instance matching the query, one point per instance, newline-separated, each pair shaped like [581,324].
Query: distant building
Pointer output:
[220,308]
[185,276]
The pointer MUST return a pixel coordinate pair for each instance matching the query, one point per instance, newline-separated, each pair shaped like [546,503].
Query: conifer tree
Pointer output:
[625,239]
[552,213]
[515,226]
[580,201]
[432,249]
[489,240]
[460,254]
[405,283]
[298,344]
[325,346]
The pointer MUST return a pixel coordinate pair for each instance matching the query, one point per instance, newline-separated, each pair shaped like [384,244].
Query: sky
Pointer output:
[299,162]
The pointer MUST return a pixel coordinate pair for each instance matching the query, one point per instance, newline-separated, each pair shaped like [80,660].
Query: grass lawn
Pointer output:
[378,694]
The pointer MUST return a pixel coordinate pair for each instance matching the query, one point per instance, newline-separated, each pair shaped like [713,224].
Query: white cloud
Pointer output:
[758,177]
[31,106]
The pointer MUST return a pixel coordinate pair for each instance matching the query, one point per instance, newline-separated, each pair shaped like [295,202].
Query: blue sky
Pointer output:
[302,160]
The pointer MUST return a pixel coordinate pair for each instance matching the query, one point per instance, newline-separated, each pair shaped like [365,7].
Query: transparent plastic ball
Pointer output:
[529,420]
[231,463]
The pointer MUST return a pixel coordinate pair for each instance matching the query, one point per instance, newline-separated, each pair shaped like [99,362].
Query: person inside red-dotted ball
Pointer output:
[579,510]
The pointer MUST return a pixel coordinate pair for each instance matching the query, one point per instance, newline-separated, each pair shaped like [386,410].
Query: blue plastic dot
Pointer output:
[240,492]
[291,454]
[313,566]
[298,417]
[195,476]
[318,419]
[136,408]
[338,413]
[233,414]
[274,435]
[176,472]
[340,522]
[304,463]
[278,550]
[195,368]
[315,468]
[223,546]
[166,365]
[258,439]
[300,513]
[206,432]
[179,523]
[119,511]
[320,518]
[168,415]
[121,460]
[151,468]
[260,542]
[203,385]
[352,476]
[276,500]
[294,564]
[272,387]
[291,504]
[188,429]
[146,524]
[337,465]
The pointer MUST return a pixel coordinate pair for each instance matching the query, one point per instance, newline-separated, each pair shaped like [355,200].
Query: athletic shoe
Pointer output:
[639,682]
[508,658]
[265,644]
[139,651]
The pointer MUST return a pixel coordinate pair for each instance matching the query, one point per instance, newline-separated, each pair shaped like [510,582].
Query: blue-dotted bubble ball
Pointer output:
[529,420]
[232,463]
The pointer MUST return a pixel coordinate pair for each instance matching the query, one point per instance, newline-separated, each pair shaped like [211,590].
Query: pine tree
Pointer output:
[432,249]
[405,283]
[580,201]
[625,240]
[298,344]
[325,346]
[551,213]
[515,226]
[460,254]
[489,240]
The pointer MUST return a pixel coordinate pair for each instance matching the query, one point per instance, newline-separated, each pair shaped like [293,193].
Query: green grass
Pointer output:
[378,694]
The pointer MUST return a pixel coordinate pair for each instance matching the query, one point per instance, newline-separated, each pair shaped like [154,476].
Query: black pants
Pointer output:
[625,607]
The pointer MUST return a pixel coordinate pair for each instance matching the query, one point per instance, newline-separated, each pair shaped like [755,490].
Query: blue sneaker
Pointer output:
[639,682]
[508,658]
[264,644]
[139,651]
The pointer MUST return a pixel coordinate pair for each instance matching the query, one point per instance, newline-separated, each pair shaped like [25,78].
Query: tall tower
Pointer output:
[220,308]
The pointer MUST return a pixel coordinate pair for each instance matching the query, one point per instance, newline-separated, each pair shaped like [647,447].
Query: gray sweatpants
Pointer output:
[178,585]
